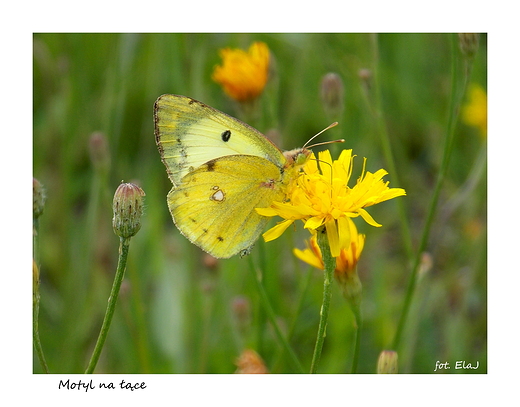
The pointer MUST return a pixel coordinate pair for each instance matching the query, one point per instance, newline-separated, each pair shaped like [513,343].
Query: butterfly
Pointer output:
[221,170]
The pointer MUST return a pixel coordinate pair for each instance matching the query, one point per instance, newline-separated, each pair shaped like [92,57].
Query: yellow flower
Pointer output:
[474,113]
[243,75]
[346,261]
[320,196]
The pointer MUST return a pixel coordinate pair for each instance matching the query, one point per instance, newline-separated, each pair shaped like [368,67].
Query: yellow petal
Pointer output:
[270,212]
[313,223]
[277,230]
[346,229]
[367,218]
[332,235]
[308,257]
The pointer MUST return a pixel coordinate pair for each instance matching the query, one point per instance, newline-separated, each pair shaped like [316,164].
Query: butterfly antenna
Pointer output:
[325,142]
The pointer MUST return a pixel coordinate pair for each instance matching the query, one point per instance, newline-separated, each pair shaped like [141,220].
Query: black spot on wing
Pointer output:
[226,135]
[220,238]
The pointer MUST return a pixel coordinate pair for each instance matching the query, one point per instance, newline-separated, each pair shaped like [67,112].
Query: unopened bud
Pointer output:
[365,75]
[128,209]
[332,93]
[38,198]
[350,286]
[387,362]
[468,43]
[250,362]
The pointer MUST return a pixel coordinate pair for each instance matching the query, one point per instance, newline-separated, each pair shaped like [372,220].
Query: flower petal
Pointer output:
[313,223]
[270,212]
[332,235]
[277,230]
[367,218]
[309,257]
[345,226]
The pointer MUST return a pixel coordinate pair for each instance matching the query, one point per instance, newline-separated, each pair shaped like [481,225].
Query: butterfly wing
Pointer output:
[189,133]
[214,205]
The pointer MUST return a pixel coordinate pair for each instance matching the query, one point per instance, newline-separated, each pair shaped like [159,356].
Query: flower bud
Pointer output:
[38,198]
[351,287]
[387,362]
[128,209]
[365,75]
[332,93]
[250,362]
[468,43]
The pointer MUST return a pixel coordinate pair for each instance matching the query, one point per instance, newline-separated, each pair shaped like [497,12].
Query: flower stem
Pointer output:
[454,108]
[330,264]
[36,299]
[124,244]
[36,334]
[359,323]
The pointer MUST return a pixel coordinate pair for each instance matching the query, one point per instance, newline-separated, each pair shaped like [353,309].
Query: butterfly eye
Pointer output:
[226,135]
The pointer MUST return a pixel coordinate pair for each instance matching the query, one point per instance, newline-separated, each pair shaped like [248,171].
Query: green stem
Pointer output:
[36,299]
[36,331]
[124,244]
[330,264]
[36,335]
[454,107]
[272,318]
[359,323]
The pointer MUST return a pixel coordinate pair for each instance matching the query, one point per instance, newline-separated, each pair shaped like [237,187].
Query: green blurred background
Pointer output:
[181,312]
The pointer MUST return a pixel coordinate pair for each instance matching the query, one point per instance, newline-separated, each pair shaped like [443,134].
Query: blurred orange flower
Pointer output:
[243,75]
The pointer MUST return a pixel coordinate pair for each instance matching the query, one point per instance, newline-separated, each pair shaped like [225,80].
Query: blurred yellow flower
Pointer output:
[243,75]
[474,113]
[320,196]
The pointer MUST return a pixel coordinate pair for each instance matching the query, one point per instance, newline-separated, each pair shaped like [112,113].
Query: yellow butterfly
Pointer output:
[221,170]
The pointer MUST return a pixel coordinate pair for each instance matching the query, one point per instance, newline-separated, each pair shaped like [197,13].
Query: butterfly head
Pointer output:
[297,158]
